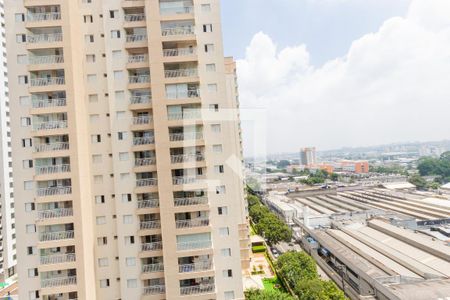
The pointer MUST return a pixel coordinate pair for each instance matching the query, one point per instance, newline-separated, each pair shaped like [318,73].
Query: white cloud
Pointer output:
[392,85]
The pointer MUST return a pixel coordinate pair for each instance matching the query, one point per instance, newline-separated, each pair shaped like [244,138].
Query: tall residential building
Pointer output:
[126,147]
[7,226]
[308,156]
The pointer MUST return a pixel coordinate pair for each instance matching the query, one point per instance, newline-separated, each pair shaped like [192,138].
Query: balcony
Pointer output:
[137,58]
[176,137]
[150,225]
[191,114]
[45,16]
[191,72]
[141,162]
[146,182]
[194,93]
[185,158]
[195,267]
[142,99]
[179,180]
[197,289]
[55,213]
[134,17]
[175,52]
[134,38]
[194,245]
[43,170]
[56,236]
[50,125]
[46,81]
[192,223]
[45,103]
[138,141]
[57,258]
[153,268]
[188,201]
[142,120]
[156,246]
[154,290]
[56,282]
[178,30]
[45,38]
[46,59]
[54,191]
[153,203]
[52,147]
[139,79]
[167,11]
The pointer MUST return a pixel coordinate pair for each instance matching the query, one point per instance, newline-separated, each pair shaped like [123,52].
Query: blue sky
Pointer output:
[327,27]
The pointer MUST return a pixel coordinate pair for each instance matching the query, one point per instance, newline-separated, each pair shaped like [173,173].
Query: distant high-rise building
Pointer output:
[7,217]
[308,156]
[127,154]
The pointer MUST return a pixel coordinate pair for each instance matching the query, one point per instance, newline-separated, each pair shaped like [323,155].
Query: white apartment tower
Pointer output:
[126,151]
[7,215]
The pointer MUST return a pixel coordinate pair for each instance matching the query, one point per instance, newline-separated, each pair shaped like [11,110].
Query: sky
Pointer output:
[335,73]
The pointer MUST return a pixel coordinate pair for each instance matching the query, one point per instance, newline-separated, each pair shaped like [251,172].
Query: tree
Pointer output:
[255,294]
[258,212]
[317,289]
[418,181]
[273,229]
[297,266]
[334,177]
[253,200]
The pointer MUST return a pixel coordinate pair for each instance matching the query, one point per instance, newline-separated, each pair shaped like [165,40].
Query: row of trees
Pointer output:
[388,170]
[300,272]
[266,223]
[429,166]
[320,176]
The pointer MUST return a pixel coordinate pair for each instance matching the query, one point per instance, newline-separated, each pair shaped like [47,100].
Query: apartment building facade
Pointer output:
[7,214]
[126,151]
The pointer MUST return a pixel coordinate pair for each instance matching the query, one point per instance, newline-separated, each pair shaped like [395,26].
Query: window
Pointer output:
[90,58]
[118,75]
[31,250]
[130,261]
[214,107]
[102,241]
[217,148]
[30,228]
[94,118]
[21,38]
[222,210]
[104,283]
[113,14]
[123,156]
[206,7]
[120,115]
[88,19]
[97,158]
[219,169]
[220,189]
[116,54]
[89,38]
[215,128]
[209,48]
[96,138]
[91,78]
[103,262]
[99,199]
[27,164]
[210,67]
[227,273]
[127,219]
[33,295]
[100,220]
[225,252]
[29,206]
[23,79]
[207,28]
[120,96]
[98,179]
[24,100]
[229,295]
[87,1]
[122,135]
[131,283]
[224,231]
[19,17]
[33,272]
[27,143]
[212,87]
[28,185]
[115,34]
[129,240]
[22,59]
[126,198]
[93,98]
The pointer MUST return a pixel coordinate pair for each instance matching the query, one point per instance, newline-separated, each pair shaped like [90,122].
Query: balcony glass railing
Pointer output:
[44,38]
[61,281]
[150,225]
[184,180]
[154,289]
[175,137]
[46,59]
[197,289]
[152,268]
[185,94]
[140,162]
[156,246]
[178,30]
[45,81]
[179,52]
[187,115]
[52,147]
[134,17]
[137,58]
[55,213]
[181,73]
[141,99]
[146,182]
[194,245]
[43,170]
[50,125]
[153,203]
[185,158]
[142,120]
[54,191]
[137,141]
[45,16]
[198,222]
[55,236]
[195,267]
[190,201]
[44,103]
[134,38]
[139,79]
[57,258]
[166,11]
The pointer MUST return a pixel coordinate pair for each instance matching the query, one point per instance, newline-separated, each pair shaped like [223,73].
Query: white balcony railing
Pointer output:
[46,59]
[197,289]
[53,191]
[181,73]
[61,281]
[195,267]
[139,79]
[42,170]
[44,103]
[134,17]
[152,268]
[187,94]
[153,203]
[194,245]
[175,137]
[141,99]
[148,161]
[187,115]
[55,213]
[137,58]
[185,158]
[49,125]
[142,120]
[188,201]
[179,52]
[154,289]
[46,81]
[137,141]
[55,236]
[57,258]
[176,10]
[44,38]
[156,246]
[52,147]
[134,38]
[184,180]
[150,225]
[180,30]
[147,182]
[46,16]
[198,222]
